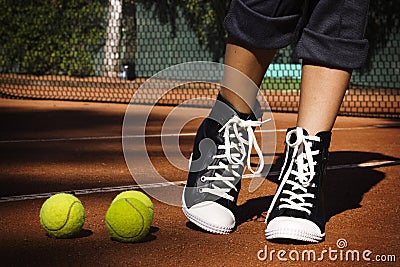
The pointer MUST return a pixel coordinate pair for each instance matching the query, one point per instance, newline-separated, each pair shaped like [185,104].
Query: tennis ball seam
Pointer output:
[141,229]
[66,220]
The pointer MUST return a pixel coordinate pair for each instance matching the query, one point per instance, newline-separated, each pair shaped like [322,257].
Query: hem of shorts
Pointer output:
[243,26]
[332,51]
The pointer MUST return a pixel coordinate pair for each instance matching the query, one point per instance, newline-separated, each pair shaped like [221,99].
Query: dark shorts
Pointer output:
[326,32]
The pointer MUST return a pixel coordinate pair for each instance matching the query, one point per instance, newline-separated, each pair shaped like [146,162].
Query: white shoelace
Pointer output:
[235,159]
[303,175]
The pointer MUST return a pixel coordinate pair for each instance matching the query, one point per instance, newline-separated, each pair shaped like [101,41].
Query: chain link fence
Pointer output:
[104,50]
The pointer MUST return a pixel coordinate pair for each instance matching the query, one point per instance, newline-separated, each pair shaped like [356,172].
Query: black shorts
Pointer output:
[326,32]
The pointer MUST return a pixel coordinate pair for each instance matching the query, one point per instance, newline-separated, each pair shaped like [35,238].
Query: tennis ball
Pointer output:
[128,220]
[139,196]
[62,216]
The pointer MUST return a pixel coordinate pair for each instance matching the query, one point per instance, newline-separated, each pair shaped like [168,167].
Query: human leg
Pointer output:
[253,63]
[257,28]
[322,92]
[297,210]
[331,46]
[221,146]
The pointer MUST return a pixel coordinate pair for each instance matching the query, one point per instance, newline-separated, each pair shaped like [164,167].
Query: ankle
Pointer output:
[236,101]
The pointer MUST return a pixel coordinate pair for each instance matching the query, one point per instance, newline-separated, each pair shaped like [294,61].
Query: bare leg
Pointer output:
[253,63]
[322,92]
[207,181]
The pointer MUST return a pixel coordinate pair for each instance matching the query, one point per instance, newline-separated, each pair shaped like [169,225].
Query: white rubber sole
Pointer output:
[206,225]
[289,228]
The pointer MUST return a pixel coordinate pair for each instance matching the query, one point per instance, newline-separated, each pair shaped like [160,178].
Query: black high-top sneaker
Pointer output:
[297,209]
[221,151]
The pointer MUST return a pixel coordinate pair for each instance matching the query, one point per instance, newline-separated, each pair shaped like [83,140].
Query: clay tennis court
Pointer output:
[57,146]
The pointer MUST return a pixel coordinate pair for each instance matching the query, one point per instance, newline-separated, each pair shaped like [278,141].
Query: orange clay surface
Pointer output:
[54,146]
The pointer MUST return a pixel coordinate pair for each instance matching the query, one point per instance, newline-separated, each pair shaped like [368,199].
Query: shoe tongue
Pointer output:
[293,137]
[323,135]
[223,111]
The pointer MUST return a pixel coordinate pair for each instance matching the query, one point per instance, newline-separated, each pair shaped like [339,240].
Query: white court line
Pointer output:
[178,183]
[94,138]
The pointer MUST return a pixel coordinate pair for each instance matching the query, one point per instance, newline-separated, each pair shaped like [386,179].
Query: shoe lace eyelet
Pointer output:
[203,179]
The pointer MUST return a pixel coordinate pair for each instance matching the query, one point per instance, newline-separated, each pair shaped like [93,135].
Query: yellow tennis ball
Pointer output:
[62,215]
[139,196]
[128,220]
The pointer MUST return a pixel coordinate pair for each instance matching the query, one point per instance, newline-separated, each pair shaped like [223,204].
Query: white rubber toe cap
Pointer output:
[294,229]
[211,217]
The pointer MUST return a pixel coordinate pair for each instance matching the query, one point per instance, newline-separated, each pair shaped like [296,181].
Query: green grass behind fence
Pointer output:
[280,84]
